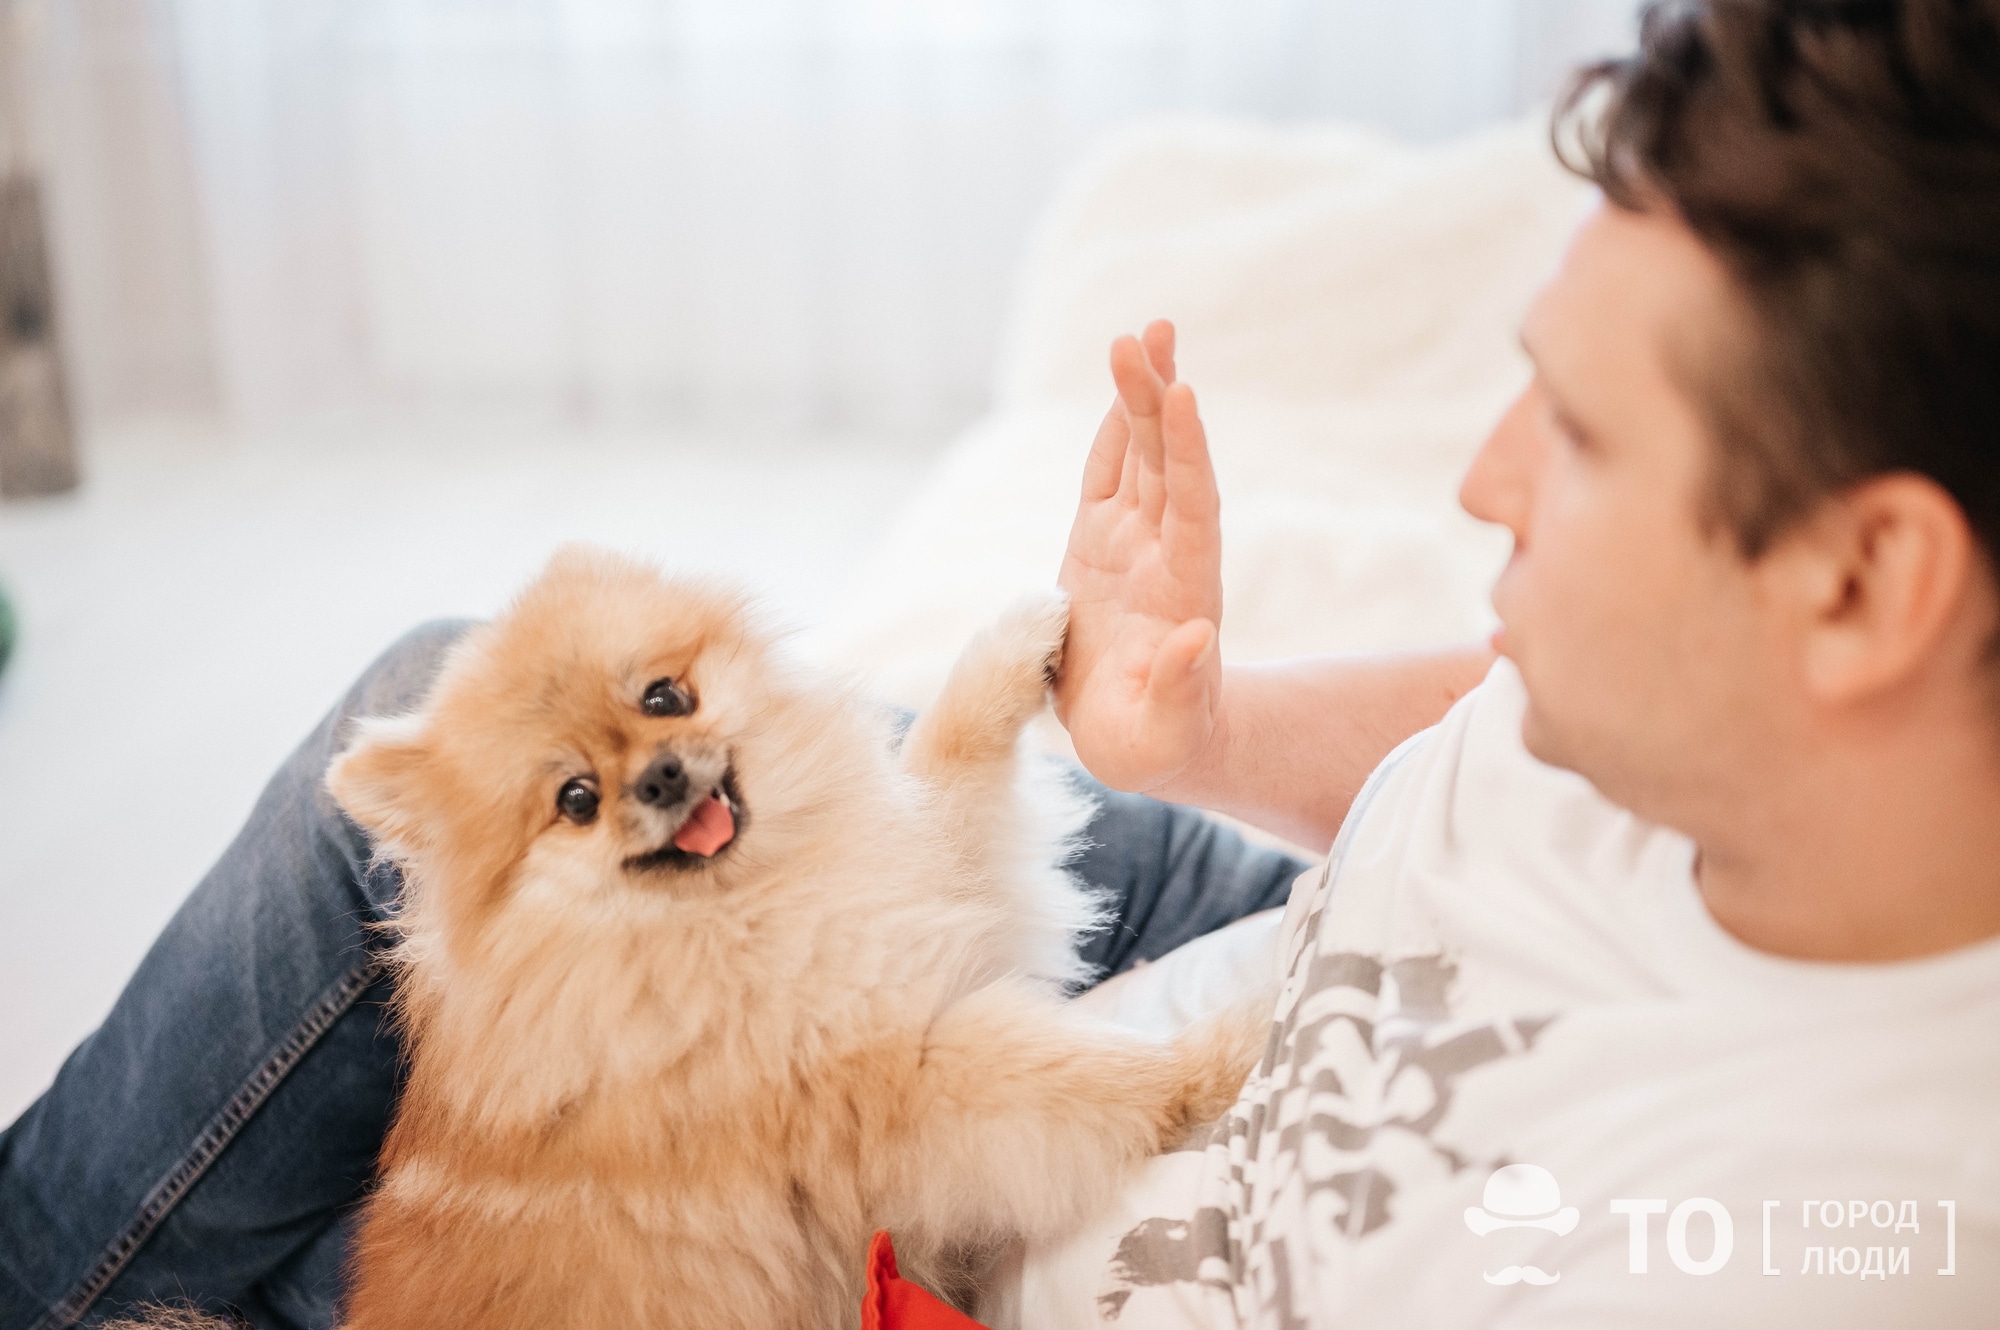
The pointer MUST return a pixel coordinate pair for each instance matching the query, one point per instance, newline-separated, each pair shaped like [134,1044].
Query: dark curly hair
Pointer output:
[1842,158]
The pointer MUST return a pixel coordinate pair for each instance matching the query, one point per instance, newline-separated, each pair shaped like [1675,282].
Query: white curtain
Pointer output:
[742,213]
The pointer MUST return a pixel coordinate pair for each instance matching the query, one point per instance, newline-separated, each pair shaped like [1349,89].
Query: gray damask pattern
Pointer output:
[1363,1067]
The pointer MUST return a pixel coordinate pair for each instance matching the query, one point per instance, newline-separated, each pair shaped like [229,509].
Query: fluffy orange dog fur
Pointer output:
[661,1088]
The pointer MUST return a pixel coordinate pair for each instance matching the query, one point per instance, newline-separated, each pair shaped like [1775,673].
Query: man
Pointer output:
[1538,1060]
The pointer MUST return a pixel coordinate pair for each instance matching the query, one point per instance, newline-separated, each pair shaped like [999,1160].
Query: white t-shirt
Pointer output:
[1498,967]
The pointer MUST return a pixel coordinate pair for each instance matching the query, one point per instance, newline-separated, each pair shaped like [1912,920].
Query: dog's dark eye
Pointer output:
[664,697]
[577,801]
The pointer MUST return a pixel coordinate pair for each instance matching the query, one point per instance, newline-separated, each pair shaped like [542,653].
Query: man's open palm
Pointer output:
[1141,676]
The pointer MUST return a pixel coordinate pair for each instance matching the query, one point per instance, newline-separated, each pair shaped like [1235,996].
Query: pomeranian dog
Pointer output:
[704,979]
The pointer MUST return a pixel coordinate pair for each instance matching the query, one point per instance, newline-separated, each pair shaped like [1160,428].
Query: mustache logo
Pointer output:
[1522,1274]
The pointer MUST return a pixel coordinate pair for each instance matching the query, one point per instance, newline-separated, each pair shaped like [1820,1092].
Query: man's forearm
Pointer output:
[1295,740]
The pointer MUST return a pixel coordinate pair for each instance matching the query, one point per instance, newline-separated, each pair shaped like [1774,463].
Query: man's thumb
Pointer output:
[1179,666]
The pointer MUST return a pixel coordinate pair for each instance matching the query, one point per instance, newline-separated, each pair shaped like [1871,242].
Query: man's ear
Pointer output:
[377,778]
[1883,572]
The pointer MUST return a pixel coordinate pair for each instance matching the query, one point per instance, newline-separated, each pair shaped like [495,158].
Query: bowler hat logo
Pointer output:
[1522,1196]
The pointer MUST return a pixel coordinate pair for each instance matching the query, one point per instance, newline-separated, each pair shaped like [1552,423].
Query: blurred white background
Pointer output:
[765,212]
[367,304]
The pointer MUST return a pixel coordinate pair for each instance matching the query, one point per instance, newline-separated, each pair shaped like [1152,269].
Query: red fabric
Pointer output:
[894,1303]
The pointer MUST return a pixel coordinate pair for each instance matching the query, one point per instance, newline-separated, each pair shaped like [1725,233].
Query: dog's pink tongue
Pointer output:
[709,827]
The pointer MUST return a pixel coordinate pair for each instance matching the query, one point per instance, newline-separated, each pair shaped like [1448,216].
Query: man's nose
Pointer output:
[1499,486]
[662,783]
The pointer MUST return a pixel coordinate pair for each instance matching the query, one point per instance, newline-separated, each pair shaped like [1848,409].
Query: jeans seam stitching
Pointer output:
[219,1131]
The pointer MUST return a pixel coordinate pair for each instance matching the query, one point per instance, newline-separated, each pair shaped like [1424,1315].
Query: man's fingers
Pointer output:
[1144,479]
[1107,455]
[1191,524]
[1138,385]
[1192,501]
[1112,463]
[1159,342]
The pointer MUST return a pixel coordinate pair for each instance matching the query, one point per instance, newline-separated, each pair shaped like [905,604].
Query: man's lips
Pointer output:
[708,828]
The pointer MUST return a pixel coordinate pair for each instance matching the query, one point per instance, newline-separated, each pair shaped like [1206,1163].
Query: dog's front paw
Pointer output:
[1000,683]
[1029,638]
[1217,1054]
[1020,654]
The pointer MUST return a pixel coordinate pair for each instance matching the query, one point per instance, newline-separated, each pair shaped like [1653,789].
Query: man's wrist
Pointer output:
[1201,781]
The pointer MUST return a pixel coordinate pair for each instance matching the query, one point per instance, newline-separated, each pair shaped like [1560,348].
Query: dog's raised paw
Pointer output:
[1029,635]
[1000,683]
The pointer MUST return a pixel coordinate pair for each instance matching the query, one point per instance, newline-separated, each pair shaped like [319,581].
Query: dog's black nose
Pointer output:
[662,783]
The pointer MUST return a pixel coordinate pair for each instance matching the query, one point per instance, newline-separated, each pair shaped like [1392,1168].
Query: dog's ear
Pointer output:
[378,778]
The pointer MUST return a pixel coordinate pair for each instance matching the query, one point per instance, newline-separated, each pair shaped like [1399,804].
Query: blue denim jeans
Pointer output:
[208,1144]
